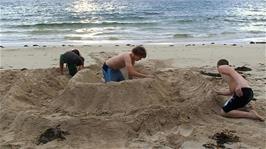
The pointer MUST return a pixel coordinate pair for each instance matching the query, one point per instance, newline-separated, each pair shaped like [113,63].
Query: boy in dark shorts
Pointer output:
[73,60]
[240,92]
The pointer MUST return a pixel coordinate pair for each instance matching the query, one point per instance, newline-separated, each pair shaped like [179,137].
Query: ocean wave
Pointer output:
[239,20]
[258,19]
[67,37]
[184,21]
[72,38]
[35,32]
[41,32]
[8,32]
[113,38]
[9,19]
[227,33]
[78,25]
[182,36]
[257,32]
[195,35]
[151,13]
[106,33]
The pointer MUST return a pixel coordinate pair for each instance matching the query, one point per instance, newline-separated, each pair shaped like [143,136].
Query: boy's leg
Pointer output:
[72,69]
[62,60]
[106,75]
[61,63]
[247,107]
[112,75]
[232,109]
[117,76]
[242,114]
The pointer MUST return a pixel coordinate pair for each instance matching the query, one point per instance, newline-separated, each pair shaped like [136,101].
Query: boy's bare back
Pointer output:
[119,61]
[233,78]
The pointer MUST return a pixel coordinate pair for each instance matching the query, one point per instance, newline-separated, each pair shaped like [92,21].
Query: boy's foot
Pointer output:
[256,116]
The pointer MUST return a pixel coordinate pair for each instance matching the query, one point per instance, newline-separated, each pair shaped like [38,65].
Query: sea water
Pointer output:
[131,21]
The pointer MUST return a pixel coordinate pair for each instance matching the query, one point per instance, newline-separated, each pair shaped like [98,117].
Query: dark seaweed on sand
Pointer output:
[51,134]
[224,137]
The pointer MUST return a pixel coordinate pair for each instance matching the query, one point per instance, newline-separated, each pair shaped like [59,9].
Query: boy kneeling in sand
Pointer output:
[111,68]
[240,91]
[73,60]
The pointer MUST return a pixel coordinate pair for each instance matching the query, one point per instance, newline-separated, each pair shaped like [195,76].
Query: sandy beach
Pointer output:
[175,109]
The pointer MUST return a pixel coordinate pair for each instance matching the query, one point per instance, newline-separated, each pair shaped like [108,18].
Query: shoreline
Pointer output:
[182,55]
[255,40]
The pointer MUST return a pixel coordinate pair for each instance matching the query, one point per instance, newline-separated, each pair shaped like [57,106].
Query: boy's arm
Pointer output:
[131,70]
[61,68]
[80,67]
[225,69]
[224,93]
[233,74]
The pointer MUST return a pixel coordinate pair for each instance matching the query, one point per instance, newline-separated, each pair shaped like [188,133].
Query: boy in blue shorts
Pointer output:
[111,68]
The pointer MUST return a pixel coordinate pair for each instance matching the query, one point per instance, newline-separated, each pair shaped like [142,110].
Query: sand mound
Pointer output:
[170,87]
[172,110]
[31,88]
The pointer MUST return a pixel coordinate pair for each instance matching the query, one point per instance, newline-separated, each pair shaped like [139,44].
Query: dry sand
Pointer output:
[176,109]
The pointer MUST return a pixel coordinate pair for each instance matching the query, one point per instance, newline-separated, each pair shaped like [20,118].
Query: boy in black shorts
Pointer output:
[73,60]
[240,91]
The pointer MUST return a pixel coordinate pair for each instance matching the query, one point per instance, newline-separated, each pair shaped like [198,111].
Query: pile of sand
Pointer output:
[176,109]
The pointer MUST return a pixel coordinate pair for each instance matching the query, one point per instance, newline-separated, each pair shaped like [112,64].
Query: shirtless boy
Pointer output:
[111,68]
[240,93]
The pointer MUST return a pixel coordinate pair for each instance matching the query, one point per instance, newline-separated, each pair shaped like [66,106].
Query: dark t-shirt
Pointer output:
[72,58]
